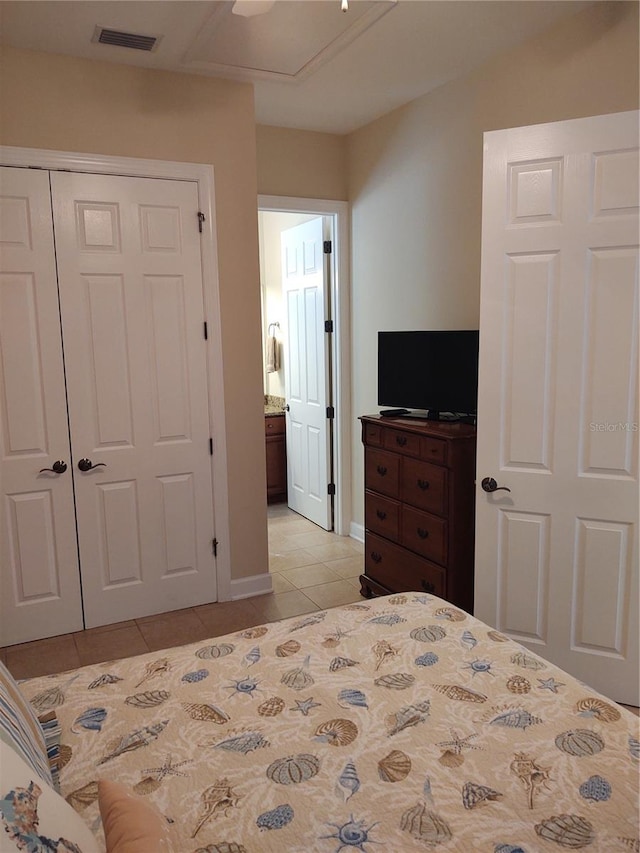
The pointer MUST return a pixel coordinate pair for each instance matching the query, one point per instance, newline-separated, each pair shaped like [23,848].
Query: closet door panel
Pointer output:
[105,315]
[39,575]
[132,307]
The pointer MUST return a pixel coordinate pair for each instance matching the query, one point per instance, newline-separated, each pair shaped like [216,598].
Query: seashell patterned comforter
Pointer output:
[399,724]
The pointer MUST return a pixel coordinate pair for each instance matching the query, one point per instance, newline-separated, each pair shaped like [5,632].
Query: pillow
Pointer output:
[33,816]
[19,727]
[52,732]
[130,825]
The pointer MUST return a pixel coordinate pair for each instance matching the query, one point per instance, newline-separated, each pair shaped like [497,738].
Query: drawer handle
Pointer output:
[427,586]
[422,533]
[434,451]
[381,470]
[376,557]
[381,514]
[423,484]
[401,440]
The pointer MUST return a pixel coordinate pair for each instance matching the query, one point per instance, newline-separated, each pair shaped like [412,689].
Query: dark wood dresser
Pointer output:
[419,507]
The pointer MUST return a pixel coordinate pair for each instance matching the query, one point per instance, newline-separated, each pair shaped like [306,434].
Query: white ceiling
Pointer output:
[313,66]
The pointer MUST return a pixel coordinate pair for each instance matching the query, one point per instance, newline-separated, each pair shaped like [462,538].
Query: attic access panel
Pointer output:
[286,43]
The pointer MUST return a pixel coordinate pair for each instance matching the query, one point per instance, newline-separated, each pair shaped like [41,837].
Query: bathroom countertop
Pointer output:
[273,405]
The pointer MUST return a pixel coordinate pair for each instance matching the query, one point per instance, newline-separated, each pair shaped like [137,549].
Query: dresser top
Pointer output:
[420,426]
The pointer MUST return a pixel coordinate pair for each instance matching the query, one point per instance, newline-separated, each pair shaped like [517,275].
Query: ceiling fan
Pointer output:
[250,8]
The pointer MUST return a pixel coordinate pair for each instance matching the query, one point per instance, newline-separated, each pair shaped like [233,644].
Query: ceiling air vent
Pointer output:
[104,35]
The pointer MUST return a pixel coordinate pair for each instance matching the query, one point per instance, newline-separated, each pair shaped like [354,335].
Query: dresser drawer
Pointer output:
[400,571]
[424,486]
[401,442]
[382,515]
[382,472]
[372,434]
[433,449]
[425,534]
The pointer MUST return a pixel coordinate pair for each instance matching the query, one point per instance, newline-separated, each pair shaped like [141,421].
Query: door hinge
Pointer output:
[331,488]
[214,547]
[331,412]
[206,331]
[201,220]
[328,325]
[210,447]
[326,247]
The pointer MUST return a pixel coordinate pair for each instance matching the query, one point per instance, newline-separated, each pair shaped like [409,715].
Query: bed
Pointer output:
[396,724]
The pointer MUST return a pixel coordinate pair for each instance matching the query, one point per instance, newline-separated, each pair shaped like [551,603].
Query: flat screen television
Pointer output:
[434,372]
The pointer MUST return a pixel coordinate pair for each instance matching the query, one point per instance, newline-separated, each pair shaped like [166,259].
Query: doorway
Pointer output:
[277,214]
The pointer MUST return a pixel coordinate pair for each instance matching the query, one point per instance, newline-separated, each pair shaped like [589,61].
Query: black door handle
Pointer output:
[58,467]
[287,408]
[490,485]
[87,465]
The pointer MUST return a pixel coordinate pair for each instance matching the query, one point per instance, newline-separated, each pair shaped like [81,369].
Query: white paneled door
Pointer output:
[557,556]
[131,304]
[39,578]
[306,362]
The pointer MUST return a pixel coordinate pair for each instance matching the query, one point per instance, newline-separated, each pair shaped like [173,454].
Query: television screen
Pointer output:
[434,370]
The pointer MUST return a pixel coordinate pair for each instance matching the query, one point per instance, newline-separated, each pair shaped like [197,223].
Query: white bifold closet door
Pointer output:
[131,314]
[39,579]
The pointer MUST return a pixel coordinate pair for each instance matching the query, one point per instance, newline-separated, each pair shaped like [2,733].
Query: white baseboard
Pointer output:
[356,531]
[253,585]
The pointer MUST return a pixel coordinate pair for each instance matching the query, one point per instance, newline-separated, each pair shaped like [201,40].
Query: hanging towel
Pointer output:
[271,355]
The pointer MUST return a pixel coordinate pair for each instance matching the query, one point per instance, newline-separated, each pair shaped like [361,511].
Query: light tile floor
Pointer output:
[311,570]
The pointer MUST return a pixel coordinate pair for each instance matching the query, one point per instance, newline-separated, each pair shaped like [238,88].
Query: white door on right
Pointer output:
[557,556]
[306,372]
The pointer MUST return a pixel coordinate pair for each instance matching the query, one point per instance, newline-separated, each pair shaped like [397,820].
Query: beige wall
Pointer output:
[301,163]
[415,179]
[68,104]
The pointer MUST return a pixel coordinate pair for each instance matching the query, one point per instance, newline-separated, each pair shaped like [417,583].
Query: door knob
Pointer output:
[58,467]
[490,485]
[87,465]
[286,408]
